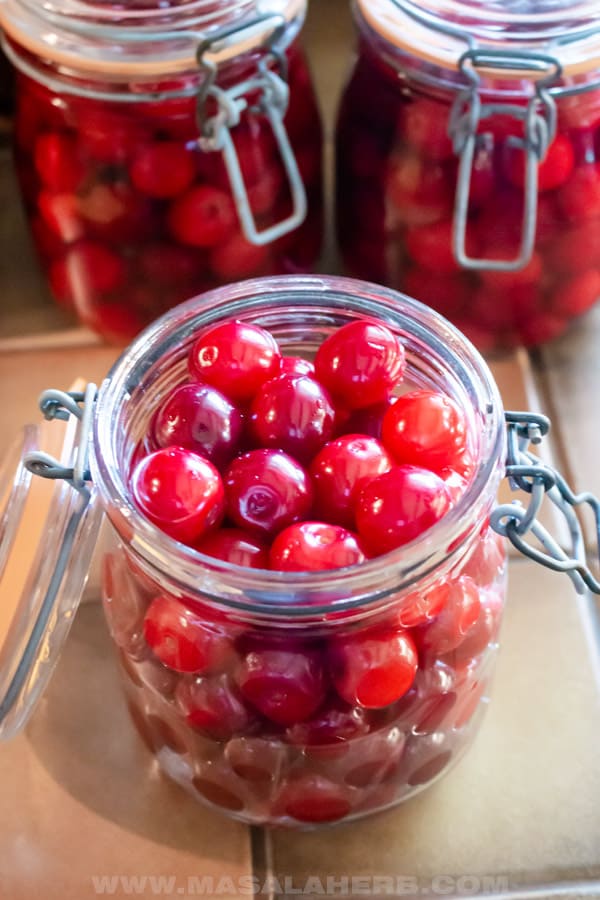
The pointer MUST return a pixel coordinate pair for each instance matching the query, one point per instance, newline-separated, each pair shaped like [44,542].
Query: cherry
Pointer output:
[108,135]
[213,706]
[60,212]
[425,428]
[296,365]
[419,190]
[116,213]
[339,469]
[553,170]
[57,162]
[292,413]
[162,170]
[180,492]
[487,560]
[285,685]
[235,357]
[201,418]
[484,629]
[361,363]
[373,669]
[430,246]
[167,264]
[421,607]
[424,125]
[124,606]
[313,547]
[267,490]
[579,197]
[313,798]
[202,217]
[458,616]
[576,295]
[337,722]
[255,759]
[502,281]
[183,641]
[235,258]
[445,293]
[87,269]
[367,421]
[396,507]
[236,546]
[574,250]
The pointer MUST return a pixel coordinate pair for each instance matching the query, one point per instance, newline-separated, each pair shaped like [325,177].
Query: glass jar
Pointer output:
[164,151]
[468,168]
[258,712]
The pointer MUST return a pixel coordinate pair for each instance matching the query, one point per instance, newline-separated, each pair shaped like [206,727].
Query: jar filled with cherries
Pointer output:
[468,161]
[163,149]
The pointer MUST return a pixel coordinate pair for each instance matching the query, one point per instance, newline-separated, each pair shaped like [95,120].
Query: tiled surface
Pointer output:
[523,803]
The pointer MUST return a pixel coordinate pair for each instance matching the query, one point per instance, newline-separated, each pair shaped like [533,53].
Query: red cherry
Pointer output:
[448,294]
[213,706]
[200,418]
[419,190]
[421,607]
[236,358]
[576,295]
[373,669]
[579,197]
[340,468]
[296,365]
[60,212]
[48,244]
[287,686]
[115,213]
[292,413]
[367,421]
[482,632]
[554,169]
[313,547]
[236,258]
[458,616]
[266,491]
[236,546]
[425,428]
[202,217]
[167,264]
[488,559]
[361,363]
[499,309]
[541,328]
[180,492]
[313,798]
[502,281]
[575,249]
[162,170]
[430,246]
[109,136]
[87,269]
[113,321]
[183,641]
[334,724]
[424,125]
[396,507]
[57,162]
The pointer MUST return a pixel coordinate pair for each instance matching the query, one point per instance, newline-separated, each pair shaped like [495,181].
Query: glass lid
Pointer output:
[441,30]
[48,531]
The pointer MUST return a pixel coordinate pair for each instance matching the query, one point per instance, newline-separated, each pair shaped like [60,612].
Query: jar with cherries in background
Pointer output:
[468,161]
[163,149]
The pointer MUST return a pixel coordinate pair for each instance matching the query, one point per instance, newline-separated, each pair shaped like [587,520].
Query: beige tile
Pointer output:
[524,802]
[81,796]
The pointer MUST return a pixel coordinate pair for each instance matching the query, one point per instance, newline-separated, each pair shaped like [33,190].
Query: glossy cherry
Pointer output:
[459,615]
[58,162]
[234,545]
[375,668]
[180,492]
[296,365]
[285,685]
[202,217]
[553,170]
[293,413]
[339,469]
[313,547]
[236,358]
[201,418]
[214,707]
[398,506]
[426,428]
[163,169]
[183,641]
[267,490]
[337,722]
[360,364]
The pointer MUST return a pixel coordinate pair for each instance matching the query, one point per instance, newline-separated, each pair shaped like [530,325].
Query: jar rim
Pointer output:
[438,32]
[76,38]
[286,592]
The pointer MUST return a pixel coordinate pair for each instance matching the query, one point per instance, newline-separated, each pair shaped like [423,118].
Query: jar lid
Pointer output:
[47,535]
[440,31]
[150,39]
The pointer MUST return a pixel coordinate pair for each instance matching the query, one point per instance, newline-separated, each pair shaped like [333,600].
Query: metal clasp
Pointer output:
[273,102]
[526,472]
[539,124]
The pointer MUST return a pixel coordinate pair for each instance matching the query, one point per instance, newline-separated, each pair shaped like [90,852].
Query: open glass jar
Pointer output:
[467,161]
[265,728]
[163,150]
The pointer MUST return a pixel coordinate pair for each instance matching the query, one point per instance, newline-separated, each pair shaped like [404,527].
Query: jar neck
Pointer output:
[300,312]
[81,40]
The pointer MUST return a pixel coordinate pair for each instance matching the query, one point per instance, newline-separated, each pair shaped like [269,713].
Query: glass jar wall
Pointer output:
[398,169]
[129,213]
[255,714]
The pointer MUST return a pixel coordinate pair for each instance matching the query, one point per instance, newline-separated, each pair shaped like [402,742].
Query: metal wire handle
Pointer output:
[526,472]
